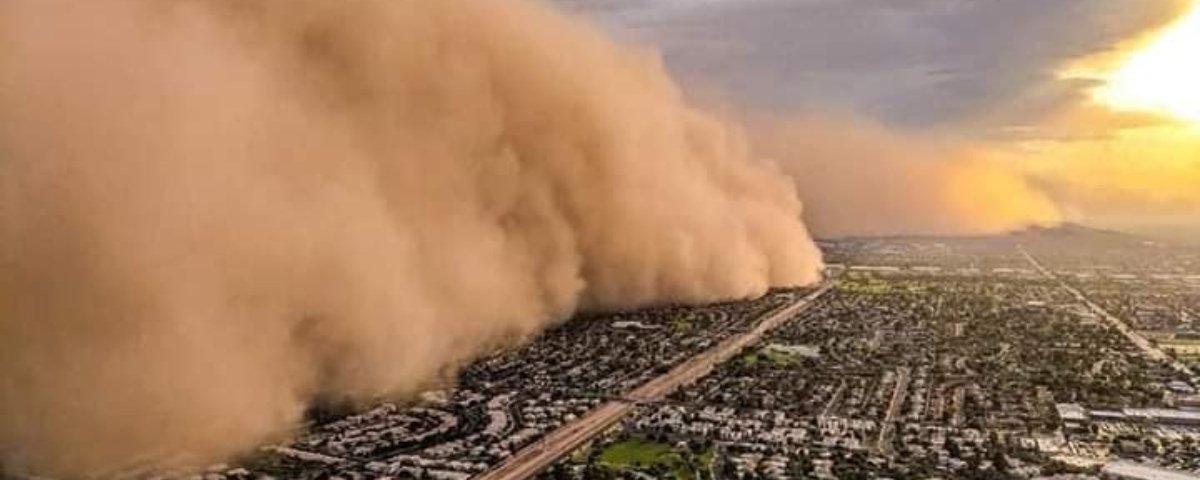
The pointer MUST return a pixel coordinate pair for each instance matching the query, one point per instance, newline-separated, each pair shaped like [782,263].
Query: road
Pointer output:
[903,376]
[536,457]
[1151,351]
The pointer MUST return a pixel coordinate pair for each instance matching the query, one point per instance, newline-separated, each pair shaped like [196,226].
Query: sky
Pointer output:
[1089,98]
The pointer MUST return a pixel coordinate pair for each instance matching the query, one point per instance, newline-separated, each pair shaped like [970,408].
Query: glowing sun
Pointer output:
[1162,77]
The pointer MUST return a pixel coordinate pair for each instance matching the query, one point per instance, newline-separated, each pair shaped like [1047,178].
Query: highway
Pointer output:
[540,455]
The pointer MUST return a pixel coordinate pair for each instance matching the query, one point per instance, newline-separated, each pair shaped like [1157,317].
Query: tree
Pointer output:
[729,470]
[952,448]
[999,461]
[800,467]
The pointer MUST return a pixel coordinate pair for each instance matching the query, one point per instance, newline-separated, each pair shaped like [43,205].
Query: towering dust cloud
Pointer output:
[211,211]
[859,178]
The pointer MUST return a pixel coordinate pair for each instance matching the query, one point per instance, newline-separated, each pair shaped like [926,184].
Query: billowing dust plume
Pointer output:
[858,178]
[211,211]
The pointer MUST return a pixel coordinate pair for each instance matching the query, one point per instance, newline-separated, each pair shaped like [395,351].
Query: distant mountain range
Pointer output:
[1070,229]
[1081,235]
[1075,231]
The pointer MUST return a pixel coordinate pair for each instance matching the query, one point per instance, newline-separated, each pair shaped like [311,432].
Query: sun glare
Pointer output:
[1164,76]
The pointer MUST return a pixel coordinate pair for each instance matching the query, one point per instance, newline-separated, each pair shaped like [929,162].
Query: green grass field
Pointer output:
[682,325]
[869,285]
[635,452]
[770,356]
[644,455]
